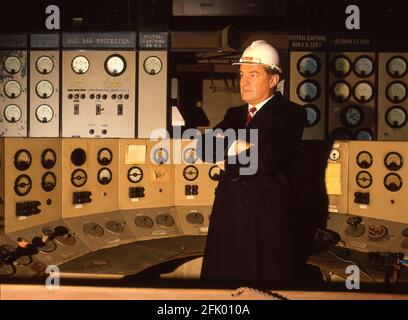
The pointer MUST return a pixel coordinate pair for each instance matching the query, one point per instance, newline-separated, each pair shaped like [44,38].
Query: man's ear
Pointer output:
[274,80]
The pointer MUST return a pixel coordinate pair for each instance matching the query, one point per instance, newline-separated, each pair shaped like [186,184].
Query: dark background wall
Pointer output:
[385,17]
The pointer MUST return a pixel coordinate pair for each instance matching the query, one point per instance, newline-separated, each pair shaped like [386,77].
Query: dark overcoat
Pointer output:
[250,237]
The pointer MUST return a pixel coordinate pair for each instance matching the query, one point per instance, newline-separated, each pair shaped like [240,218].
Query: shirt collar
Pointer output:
[259,105]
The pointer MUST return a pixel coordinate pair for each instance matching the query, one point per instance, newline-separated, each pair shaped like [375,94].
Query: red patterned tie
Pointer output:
[250,114]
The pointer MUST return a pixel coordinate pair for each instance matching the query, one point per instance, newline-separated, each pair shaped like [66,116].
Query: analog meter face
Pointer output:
[12,65]
[12,89]
[397,67]
[308,90]
[341,91]
[352,116]
[44,65]
[44,113]
[364,66]
[396,117]
[80,65]
[152,65]
[115,65]
[12,113]
[44,89]
[341,66]
[308,65]
[393,161]
[364,134]
[396,91]
[313,115]
[363,92]
[364,159]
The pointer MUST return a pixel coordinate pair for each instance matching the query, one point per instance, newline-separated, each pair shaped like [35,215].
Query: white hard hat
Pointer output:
[260,52]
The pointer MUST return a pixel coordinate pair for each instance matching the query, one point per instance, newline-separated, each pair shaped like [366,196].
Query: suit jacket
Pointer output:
[250,238]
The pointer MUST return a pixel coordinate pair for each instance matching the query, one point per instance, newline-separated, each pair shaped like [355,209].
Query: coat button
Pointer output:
[241,208]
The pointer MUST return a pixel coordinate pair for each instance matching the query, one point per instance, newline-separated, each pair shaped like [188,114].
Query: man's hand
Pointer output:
[241,145]
[44,239]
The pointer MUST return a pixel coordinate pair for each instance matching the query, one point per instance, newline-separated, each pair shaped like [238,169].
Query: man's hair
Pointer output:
[19,239]
[270,71]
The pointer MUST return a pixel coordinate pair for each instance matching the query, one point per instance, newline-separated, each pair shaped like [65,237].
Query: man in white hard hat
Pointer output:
[250,238]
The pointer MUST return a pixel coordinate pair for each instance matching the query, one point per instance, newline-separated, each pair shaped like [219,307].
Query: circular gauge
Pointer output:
[308,90]
[12,89]
[341,66]
[393,161]
[364,179]
[12,113]
[22,185]
[135,174]
[7,270]
[104,176]
[340,91]
[195,218]
[396,117]
[397,67]
[363,66]
[165,220]
[334,155]
[12,65]
[44,65]
[93,230]
[152,65]
[190,155]
[115,227]
[79,178]
[364,159]
[214,173]
[313,115]
[340,134]
[352,116]
[24,260]
[44,89]
[396,91]
[393,182]
[48,231]
[66,239]
[190,173]
[377,232]
[364,135]
[6,249]
[308,65]
[22,160]
[115,65]
[355,228]
[48,158]
[48,181]
[47,247]
[144,222]
[78,157]
[44,113]
[160,156]
[104,157]
[363,92]
[80,64]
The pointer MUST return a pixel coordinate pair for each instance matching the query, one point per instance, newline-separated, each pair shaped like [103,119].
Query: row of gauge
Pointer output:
[83,93]
[367,195]
[354,95]
[45,178]
[371,182]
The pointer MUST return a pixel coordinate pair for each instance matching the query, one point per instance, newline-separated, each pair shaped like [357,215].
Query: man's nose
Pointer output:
[244,80]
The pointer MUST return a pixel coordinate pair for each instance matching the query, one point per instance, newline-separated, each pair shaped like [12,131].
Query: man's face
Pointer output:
[23,243]
[256,84]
